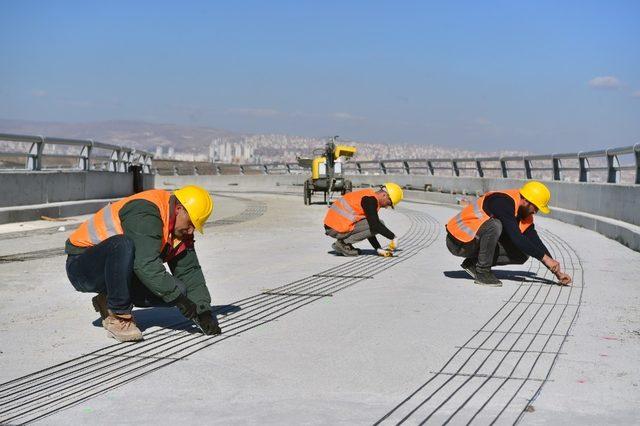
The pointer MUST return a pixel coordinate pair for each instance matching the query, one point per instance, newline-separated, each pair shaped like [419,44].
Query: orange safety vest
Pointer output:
[464,226]
[347,210]
[106,222]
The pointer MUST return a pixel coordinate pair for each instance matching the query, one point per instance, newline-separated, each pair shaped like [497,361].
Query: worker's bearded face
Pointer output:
[526,209]
[183,226]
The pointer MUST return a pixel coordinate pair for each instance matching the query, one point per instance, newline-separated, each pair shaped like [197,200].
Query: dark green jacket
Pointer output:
[141,221]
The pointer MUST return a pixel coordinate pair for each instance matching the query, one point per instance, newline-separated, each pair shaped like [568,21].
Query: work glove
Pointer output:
[186,307]
[384,252]
[207,323]
[393,245]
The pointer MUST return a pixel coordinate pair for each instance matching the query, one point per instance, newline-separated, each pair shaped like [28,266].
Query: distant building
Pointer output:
[224,151]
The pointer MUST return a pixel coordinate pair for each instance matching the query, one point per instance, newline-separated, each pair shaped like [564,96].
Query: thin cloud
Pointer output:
[255,112]
[272,113]
[38,93]
[607,82]
[345,116]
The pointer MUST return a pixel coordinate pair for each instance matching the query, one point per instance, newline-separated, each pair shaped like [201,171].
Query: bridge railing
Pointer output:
[36,153]
[614,165]
[180,167]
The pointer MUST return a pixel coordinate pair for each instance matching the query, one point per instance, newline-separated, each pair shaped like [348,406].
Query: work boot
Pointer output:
[100,305]
[486,277]
[122,327]
[343,249]
[469,265]
[357,250]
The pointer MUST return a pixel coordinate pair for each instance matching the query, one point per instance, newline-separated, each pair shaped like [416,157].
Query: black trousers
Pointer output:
[491,247]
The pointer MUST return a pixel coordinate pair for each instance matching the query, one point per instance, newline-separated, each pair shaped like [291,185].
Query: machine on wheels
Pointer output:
[327,174]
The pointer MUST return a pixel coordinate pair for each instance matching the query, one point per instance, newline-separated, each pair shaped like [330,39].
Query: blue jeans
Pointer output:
[108,268]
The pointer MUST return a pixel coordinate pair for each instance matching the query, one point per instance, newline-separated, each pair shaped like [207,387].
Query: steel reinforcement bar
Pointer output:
[497,373]
[48,391]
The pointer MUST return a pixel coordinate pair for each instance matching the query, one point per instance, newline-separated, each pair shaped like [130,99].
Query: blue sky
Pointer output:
[542,76]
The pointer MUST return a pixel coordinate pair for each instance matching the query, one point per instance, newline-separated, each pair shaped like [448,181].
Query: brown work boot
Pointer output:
[100,305]
[342,248]
[122,327]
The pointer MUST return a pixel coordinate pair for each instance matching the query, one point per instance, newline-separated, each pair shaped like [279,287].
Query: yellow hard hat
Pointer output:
[537,194]
[197,202]
[395,192]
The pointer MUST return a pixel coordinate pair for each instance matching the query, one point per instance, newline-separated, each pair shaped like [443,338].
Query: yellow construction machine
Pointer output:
[327,171]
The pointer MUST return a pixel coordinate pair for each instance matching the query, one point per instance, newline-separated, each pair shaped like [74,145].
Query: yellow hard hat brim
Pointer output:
[544,209]
[200,229]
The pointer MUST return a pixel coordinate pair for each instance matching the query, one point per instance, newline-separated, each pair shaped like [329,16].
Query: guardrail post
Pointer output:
[383,168]
[125,160]
[359,168]
[145,162]
[113,161]
[265,169]
[406,167]
[288,166]
[218,169]
[636,151]
[555,164]
[454,168]
[195,170]
[612,175]
[175,170]
[503,168]
[431,169]
[527,168]
[479,168]
[84,161]
[241,169]
[583,167]
[34,159]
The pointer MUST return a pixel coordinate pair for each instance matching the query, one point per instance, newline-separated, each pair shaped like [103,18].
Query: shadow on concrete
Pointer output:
[521,276]
[169,317]
[366,252]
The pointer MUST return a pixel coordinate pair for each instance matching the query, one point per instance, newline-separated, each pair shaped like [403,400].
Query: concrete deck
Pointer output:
[313,338]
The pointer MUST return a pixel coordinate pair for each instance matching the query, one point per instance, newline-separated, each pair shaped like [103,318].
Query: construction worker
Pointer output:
[120,252]
[354,217]
[498,229]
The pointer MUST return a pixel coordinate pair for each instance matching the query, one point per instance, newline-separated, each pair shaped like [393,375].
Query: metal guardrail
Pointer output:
[181,167]
[551,166]
[556,166]
[526,166]
[93,155]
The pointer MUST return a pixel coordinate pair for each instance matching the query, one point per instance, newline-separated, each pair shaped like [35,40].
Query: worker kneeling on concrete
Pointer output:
[120,252]
[498,229]
[354,217]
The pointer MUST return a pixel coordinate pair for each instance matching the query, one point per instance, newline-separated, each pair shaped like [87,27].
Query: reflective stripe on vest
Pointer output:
[106,222]
[347,210]
[464,226]
[343,208]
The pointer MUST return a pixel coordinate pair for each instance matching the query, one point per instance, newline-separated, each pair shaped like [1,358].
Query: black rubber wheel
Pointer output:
[347,187]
